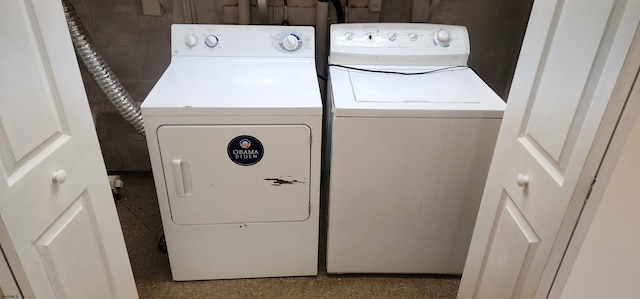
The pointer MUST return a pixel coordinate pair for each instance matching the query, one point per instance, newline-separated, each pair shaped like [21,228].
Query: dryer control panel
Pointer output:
[242,41]
[399,44]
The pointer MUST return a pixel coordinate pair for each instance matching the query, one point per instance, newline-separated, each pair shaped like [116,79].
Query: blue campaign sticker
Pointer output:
[245,150]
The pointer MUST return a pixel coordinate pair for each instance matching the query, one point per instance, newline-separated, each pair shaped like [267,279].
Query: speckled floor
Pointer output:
[141,225]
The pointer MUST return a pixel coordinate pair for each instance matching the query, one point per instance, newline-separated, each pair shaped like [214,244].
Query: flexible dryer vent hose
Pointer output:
[100,71]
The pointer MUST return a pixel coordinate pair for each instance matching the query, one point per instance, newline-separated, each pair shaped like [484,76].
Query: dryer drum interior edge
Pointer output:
[412,131]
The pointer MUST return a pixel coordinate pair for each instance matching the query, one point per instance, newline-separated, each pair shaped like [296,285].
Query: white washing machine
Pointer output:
[412,133]
[233,128]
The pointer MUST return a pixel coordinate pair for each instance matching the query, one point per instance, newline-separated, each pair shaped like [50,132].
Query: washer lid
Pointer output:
[456,92]
[438,87]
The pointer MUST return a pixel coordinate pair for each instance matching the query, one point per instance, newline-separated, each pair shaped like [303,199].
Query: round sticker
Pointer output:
[245,150]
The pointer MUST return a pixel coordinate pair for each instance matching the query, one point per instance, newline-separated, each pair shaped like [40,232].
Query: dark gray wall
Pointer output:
[137,47]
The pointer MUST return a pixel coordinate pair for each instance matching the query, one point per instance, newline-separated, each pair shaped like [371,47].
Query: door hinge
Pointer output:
[590,189]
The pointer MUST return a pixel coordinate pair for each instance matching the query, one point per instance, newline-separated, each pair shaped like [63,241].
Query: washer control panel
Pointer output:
[242,40]
[389,43]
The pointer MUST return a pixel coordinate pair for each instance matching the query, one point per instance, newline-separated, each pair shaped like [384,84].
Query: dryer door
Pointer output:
[217,174]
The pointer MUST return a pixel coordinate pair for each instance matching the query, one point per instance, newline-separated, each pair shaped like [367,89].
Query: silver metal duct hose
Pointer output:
[100,71]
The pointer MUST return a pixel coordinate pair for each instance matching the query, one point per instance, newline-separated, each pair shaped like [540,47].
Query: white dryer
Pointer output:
[412,133]
[233,129]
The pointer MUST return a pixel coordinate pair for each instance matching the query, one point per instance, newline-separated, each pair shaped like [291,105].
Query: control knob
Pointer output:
[442,38]
[392,36]
[290,42]
[348,35]
[413,37]
[211,41]
[191,40]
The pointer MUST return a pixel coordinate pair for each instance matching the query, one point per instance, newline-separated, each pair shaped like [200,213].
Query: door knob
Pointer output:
[523,180]
[59,176]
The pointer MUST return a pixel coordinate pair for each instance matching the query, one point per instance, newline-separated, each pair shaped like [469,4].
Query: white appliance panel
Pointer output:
[258,86]
[229,251]
[404,192]
[398,44]
[190,40]
[206,187]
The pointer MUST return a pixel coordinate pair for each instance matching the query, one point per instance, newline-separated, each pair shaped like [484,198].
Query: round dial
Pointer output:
[442,38]
[392,36]
[290,42]
[348,35]
[211,41]
[191,40]
[413,37]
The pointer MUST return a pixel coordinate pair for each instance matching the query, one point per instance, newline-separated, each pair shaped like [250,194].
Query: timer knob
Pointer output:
[211,41]
[442,38]
[191,40]
[290,42]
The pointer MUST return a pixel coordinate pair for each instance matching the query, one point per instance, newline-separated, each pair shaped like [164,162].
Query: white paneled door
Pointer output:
[59,229]
[569,64]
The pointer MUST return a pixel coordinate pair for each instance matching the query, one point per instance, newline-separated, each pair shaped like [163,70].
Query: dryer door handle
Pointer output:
[182,177]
